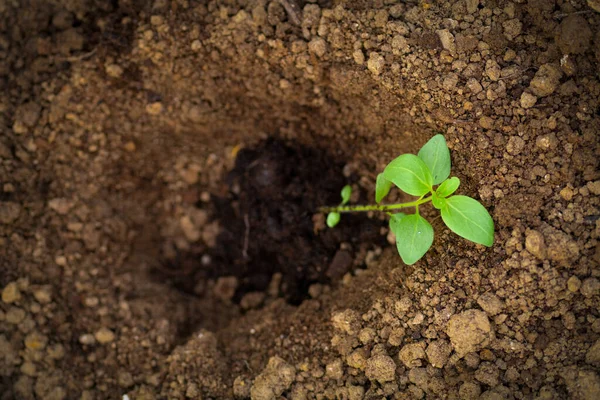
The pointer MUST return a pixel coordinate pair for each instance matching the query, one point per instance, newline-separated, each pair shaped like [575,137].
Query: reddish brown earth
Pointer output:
[161,164]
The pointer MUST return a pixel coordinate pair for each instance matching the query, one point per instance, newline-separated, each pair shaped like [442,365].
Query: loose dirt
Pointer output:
[161,164]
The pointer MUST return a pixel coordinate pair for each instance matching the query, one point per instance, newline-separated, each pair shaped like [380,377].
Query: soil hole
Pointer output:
[270,235]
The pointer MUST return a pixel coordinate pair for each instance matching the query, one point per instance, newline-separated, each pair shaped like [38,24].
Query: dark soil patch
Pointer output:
[267,225]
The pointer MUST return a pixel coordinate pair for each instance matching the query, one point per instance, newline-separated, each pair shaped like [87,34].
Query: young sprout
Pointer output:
[417,175]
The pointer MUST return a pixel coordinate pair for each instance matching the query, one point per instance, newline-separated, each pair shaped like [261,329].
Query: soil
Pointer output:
[162,164]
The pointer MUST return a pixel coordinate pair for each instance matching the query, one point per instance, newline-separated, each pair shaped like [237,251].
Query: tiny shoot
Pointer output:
[426,176]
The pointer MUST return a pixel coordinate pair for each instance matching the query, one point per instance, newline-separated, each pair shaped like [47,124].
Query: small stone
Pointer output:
[400,43]
[492,70]
[15,315]
[592,356]
[43,294]
[412,354]
[114,70]
[359,57]
[28,368]
[573,284]
[35,341]
[9,212]
[469,391]
[376,63]
[512,28]
[546,80]
[154,108]
[590,287]
[347,321]
[318,46]
[594,4]
[276,378]
[594,187]
[574,35]
[528,100]
[104,335]
[11,293]
[358,358]
[535,244]
[381,368]
[472,6]
[488,374]
[438,353]
[447,40]
[469,331]
[191,232]
[450,82]
[62,206]
[87,339]
[486,122]
[335,369]
[125,379]
[515,145]
[546,142]
[490,303]
[196,45]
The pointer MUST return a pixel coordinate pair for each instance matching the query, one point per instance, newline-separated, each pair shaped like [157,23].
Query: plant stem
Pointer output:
[374,207]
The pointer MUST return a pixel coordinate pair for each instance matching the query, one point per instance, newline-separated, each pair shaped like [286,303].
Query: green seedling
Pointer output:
[417,175]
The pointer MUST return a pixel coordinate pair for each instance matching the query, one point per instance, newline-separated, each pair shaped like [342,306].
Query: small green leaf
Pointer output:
[410,174]
[395,220]
[437,201]
[346,193]
[382,188]
[333,219]
[448,187]
[414,236]
[468,218]
[436,156]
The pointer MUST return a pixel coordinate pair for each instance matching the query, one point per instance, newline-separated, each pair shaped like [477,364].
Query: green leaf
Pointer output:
[382,188]
[437,201]
[395,220]
[346,193]
[436,156]
[414,236]
[333,219]
[410,174]
[468,218]
[448,187]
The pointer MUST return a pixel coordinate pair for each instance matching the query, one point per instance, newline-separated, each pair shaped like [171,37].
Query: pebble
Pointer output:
[515,145]
[35,341]
[512,28]
[376,63]
[104,335]
[380,368]
[87,339]
[317,46]
[43,294]
[490,303]
[15,315]
[9,212]
[11,293]
[469,331]
[347,321]
[546,80]
[590,287]
[592,356]
[573,284]
[535,244]
[438,353]
[412,354]
[493,70]
[528,100]
[114,70]
[447,40]
[62,206]
[276,378]
[154,108]
[574,35]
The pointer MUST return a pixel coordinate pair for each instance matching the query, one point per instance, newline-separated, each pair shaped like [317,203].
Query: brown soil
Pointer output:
[161,164]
